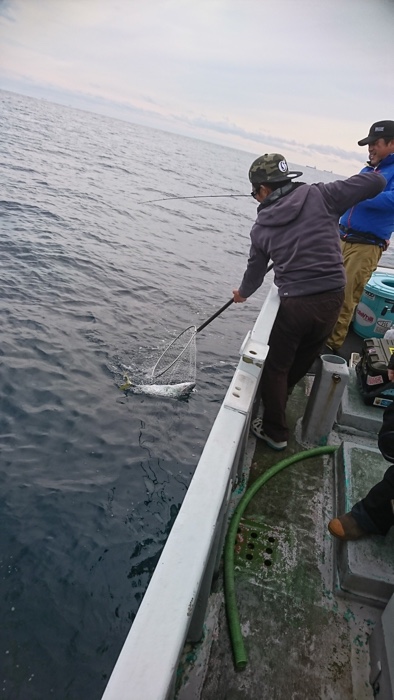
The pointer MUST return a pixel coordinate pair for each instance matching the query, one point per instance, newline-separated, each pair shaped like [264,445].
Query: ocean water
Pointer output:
[94,275]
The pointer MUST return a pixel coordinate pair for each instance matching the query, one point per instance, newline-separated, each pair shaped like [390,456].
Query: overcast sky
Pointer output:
[303,77]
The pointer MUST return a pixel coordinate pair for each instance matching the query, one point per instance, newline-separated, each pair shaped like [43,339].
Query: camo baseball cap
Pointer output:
[272,167]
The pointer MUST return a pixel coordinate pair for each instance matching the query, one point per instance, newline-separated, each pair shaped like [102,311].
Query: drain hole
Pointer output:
[253,534]
[269,550]
[251,545]
[250,556]
[267,562]
[271,539]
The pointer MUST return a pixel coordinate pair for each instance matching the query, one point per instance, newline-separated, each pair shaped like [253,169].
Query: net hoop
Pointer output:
[155,375]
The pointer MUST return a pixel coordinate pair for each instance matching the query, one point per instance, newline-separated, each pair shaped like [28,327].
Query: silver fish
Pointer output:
[172,391]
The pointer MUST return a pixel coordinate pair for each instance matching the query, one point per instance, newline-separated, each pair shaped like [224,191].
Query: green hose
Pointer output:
[237,642]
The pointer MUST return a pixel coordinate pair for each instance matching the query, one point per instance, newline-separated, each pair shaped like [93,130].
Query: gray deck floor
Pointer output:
[305,638]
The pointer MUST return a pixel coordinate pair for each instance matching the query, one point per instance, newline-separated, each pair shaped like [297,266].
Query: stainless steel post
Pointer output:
[330,381]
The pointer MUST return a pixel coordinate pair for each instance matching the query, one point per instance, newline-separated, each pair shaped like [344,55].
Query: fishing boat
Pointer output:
[306,616]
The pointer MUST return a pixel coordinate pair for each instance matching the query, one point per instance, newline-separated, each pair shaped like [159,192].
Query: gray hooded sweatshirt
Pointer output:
[299,233]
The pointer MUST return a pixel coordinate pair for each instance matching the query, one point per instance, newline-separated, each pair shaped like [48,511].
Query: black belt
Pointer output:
[350,235]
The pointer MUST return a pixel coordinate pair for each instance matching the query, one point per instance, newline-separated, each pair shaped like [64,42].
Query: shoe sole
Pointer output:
[273,447]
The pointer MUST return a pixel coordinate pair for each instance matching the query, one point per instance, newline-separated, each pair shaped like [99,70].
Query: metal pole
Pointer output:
[330,381]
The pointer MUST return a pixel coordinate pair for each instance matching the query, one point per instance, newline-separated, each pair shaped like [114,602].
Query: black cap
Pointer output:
[377,131]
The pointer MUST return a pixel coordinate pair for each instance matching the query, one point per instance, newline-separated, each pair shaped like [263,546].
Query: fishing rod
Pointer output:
[196,196]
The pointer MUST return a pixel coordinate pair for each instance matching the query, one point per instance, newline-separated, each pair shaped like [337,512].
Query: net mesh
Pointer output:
[177,363]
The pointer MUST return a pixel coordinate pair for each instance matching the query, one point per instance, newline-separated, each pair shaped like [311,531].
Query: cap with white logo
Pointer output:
[377,131]
[272,167]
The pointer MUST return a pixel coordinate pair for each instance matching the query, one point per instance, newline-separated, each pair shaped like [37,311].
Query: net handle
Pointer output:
[212,318]
[223,308]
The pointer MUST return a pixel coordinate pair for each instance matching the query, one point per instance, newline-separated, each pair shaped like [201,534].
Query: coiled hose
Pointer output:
[237,642]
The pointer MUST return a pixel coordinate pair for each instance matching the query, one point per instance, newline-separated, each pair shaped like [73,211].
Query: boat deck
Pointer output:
[305,636]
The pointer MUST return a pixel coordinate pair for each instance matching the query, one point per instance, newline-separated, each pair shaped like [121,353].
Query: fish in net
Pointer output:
[174,373]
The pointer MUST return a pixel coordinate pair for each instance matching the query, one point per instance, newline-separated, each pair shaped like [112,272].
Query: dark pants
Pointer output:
[375,512]
[300,329]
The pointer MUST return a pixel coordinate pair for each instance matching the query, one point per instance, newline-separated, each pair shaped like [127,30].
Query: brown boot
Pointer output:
[346,528]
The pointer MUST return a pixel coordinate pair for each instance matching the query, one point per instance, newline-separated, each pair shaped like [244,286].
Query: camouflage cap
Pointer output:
[272,167]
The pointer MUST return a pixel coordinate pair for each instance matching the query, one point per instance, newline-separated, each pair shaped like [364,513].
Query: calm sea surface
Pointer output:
[90,279]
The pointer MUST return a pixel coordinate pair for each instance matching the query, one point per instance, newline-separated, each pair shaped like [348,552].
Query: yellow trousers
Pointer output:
[360,261]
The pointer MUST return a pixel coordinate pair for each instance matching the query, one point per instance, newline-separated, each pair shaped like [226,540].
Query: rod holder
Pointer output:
[330,382]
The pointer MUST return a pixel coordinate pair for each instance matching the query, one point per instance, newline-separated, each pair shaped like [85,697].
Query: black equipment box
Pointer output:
[372,372]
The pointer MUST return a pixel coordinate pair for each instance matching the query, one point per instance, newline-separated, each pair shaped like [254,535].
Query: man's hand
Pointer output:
[239,300]
[390,373]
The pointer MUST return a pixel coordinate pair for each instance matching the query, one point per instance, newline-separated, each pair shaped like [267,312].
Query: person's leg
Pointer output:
[300,328]
[323,310]
[373,515]
[283,342]
[360,262]
[361,517]
[378,503]
[301,322]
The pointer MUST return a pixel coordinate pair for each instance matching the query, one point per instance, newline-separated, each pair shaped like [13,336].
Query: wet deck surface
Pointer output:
[303,636]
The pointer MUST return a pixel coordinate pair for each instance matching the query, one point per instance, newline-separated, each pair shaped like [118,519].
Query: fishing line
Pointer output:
[196,196]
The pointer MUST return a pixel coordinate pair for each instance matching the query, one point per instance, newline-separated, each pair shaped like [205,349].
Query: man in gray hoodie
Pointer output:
[297,228]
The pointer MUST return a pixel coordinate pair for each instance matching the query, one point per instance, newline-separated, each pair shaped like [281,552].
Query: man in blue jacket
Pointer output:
[365,229]
[297,228]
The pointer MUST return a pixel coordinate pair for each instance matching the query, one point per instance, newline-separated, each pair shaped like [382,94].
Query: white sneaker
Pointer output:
[257,430]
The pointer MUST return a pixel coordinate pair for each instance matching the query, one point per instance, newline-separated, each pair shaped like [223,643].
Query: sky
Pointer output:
[305,78]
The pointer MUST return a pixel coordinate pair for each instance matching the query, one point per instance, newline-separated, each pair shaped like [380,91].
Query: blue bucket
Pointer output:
[374,314]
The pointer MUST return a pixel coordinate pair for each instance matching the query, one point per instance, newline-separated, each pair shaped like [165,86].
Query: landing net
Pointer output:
[177,363]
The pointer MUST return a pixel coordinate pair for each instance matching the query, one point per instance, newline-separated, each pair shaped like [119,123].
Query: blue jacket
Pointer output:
[375,215]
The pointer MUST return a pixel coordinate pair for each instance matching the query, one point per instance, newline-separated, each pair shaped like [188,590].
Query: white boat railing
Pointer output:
[174,605]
